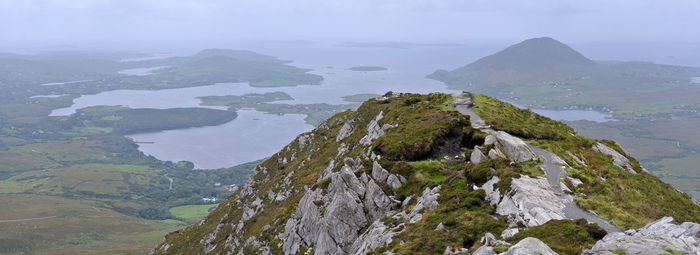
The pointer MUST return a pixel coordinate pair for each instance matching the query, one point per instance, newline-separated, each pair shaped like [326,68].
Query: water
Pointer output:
[47,96]
[143,71]
[247,139]
[62,83]
[695,80]
[252,135]
[570,115]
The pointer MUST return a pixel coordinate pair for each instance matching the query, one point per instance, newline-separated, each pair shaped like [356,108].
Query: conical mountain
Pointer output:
[533,54]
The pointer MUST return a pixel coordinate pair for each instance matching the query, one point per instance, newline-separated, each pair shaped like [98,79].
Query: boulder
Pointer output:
[654,238]
[512,147]
[529,246]
[477,156]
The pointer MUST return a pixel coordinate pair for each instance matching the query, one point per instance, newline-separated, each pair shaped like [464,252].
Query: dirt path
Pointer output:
[28,219]
[464,104]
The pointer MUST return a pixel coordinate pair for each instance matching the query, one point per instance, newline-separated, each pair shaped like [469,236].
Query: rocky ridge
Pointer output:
[385,179]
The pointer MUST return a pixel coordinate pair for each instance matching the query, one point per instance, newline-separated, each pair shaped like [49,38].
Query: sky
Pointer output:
[56,22]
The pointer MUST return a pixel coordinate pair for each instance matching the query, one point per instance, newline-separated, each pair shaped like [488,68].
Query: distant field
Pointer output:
[56,225]
[192,213]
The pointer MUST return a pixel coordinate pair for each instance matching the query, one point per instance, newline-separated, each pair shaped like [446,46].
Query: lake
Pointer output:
[695,80]
[246,139]
[252,135]
[143,71]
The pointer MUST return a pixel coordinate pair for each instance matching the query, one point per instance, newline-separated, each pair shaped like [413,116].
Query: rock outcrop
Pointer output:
[618,159]
[659,237]
[512,147]
[527,246]
[331,221]
[530,201]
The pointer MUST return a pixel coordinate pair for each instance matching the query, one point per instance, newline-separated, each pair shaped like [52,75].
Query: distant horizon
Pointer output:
[674,53]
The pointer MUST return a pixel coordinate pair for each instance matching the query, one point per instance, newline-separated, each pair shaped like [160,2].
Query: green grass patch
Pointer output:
[191,213]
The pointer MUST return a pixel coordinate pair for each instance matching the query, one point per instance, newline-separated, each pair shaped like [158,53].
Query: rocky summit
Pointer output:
[446,174]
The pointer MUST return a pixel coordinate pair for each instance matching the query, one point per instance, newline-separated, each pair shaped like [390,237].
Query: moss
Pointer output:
[564,236]
[424,127]
[619,252]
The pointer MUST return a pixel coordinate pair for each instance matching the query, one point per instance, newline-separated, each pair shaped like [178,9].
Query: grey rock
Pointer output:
[484,250]
[378,235]
[393,182]
[351,204]
[439,227]
[374,130]
[488,239]
[508,233]
[455,251]
[618,159]
[496,154]
[345,131]
[529,246]
[531,201]
[577,159]
[477,156]
[575,181]
[493,195]
[654,238]
[377,203]
[512,147]
[378,173]
[427,201]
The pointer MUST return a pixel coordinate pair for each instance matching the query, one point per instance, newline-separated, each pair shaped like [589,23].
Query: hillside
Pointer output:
[453,174]
[533,54]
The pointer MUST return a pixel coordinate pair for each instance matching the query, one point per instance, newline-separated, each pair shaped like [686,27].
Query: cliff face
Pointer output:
[440,173]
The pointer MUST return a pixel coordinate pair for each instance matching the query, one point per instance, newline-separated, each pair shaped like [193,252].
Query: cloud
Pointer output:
[64,21]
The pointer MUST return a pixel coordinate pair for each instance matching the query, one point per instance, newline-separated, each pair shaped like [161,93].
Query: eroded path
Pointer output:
[551,164]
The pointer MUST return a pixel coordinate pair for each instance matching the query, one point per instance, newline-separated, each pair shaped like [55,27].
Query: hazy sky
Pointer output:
[465,21]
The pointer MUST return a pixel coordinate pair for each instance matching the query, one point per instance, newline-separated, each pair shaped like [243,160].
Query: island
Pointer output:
[367,68]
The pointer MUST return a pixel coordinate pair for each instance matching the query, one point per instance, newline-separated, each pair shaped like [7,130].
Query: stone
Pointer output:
[654,238]
[618,159]
[488,239]
[345,131]
[379,173]
[378,235]
[531,201]
[512,147]
[577,159]
[374,130]
[508,233]
[439,227]
[496,154]
[393,182]
[477,156]
[529,246]
[484,250]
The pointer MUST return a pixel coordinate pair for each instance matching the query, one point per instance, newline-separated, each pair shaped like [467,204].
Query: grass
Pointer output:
[519,122]
[424,127]
[191,213]
[79,227]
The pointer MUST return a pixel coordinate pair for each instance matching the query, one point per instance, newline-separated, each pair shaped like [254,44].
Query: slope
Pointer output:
[408,173]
